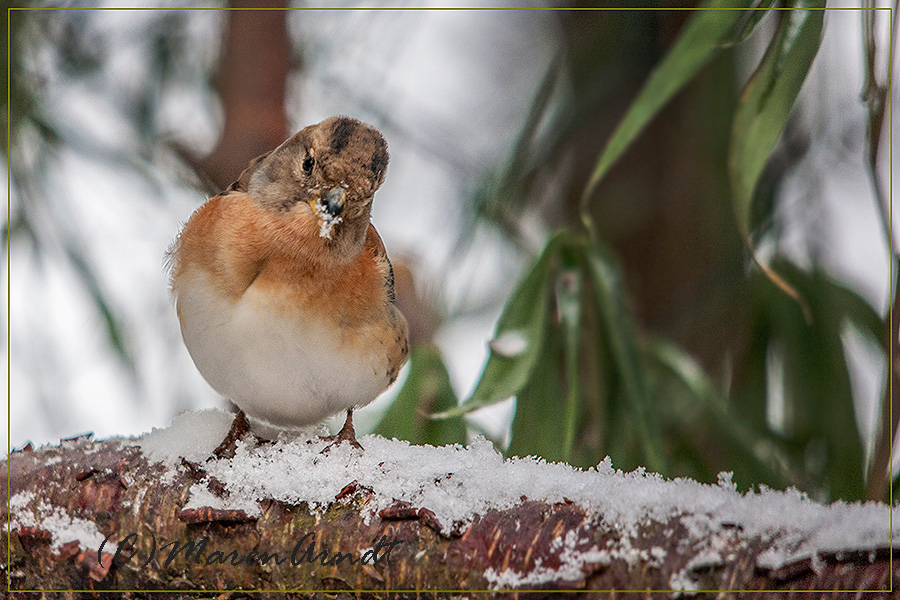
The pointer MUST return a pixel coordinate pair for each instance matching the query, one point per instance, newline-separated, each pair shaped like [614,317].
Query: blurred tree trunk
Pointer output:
[111,486]
[671,243]
[252,81]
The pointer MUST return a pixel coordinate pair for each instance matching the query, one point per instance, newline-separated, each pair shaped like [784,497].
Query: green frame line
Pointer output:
[9,12]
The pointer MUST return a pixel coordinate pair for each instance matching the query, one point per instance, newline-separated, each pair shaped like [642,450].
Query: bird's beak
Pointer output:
[331,202]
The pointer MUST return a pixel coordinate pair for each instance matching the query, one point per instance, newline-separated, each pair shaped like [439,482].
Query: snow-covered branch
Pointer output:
[282,515]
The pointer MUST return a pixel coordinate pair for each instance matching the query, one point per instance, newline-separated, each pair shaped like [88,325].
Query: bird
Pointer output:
[282,285]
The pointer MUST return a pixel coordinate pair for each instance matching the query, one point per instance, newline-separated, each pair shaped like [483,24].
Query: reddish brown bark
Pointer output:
[114,486]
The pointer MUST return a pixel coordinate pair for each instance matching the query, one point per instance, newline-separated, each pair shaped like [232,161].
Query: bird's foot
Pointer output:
[346,434]
[239,428]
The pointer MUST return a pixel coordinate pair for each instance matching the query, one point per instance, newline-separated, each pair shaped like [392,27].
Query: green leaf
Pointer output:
[745,27]
[767,101]
[427,389]
[538,424]
[569,298]
[687,370]
[696,45]
[763,111]
[537,113]
[820,420]
[755,459]
[616,323]
[859,312]
[522,327]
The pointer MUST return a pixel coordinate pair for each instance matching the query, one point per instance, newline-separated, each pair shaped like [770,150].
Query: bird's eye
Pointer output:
[308,163]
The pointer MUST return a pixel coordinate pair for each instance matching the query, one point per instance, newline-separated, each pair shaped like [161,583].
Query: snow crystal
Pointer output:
[63,528]
[20,501]
[682,581]
[459,483]
[509,344]
[201,497]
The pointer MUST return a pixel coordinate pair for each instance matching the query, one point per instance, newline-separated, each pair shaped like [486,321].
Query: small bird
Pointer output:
[283,287]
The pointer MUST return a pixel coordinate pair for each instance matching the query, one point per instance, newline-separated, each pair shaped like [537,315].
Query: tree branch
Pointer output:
[67,499]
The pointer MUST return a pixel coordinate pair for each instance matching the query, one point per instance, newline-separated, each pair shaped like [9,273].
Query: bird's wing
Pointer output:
[376,246]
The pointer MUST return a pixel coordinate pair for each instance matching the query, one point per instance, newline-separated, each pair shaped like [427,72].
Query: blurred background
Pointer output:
[623,315]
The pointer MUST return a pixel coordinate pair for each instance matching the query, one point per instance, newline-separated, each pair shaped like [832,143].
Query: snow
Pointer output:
[328,221]
[191,435]
[509,344]
[680,581]
[571,568]
[459,483]
[63,528]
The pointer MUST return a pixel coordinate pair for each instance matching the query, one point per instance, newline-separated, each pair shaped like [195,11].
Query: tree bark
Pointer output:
[113,485]
[252,81]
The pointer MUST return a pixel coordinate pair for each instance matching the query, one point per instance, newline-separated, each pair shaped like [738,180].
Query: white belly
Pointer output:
[287,371]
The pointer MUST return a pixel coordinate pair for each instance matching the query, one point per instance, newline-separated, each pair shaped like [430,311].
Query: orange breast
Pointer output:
[237,244]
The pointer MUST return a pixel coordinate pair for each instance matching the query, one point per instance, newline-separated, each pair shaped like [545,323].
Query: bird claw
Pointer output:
[346,434]
[339,438]
[239,428]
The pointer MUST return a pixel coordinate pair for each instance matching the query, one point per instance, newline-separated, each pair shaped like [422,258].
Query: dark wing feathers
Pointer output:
[373,240]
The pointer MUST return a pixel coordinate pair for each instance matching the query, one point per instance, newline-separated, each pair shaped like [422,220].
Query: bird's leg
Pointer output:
[239,428]
[346,434]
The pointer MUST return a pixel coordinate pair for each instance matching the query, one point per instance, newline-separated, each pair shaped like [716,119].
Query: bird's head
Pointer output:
[325,173]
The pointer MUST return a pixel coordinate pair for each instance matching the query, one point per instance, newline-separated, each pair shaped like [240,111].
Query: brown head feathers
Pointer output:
[327,172]
[339,151]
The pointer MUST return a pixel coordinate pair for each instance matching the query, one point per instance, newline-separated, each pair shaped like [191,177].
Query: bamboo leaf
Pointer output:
[763,111]
[518,338]
[700,40]
[537,427]
[758,457]
[114,333]
[569,299]
[745,27]
[616,323]
[503,193]
[537,113]
[820,419]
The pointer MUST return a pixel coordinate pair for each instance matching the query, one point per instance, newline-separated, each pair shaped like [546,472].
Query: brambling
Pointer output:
[283,288]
